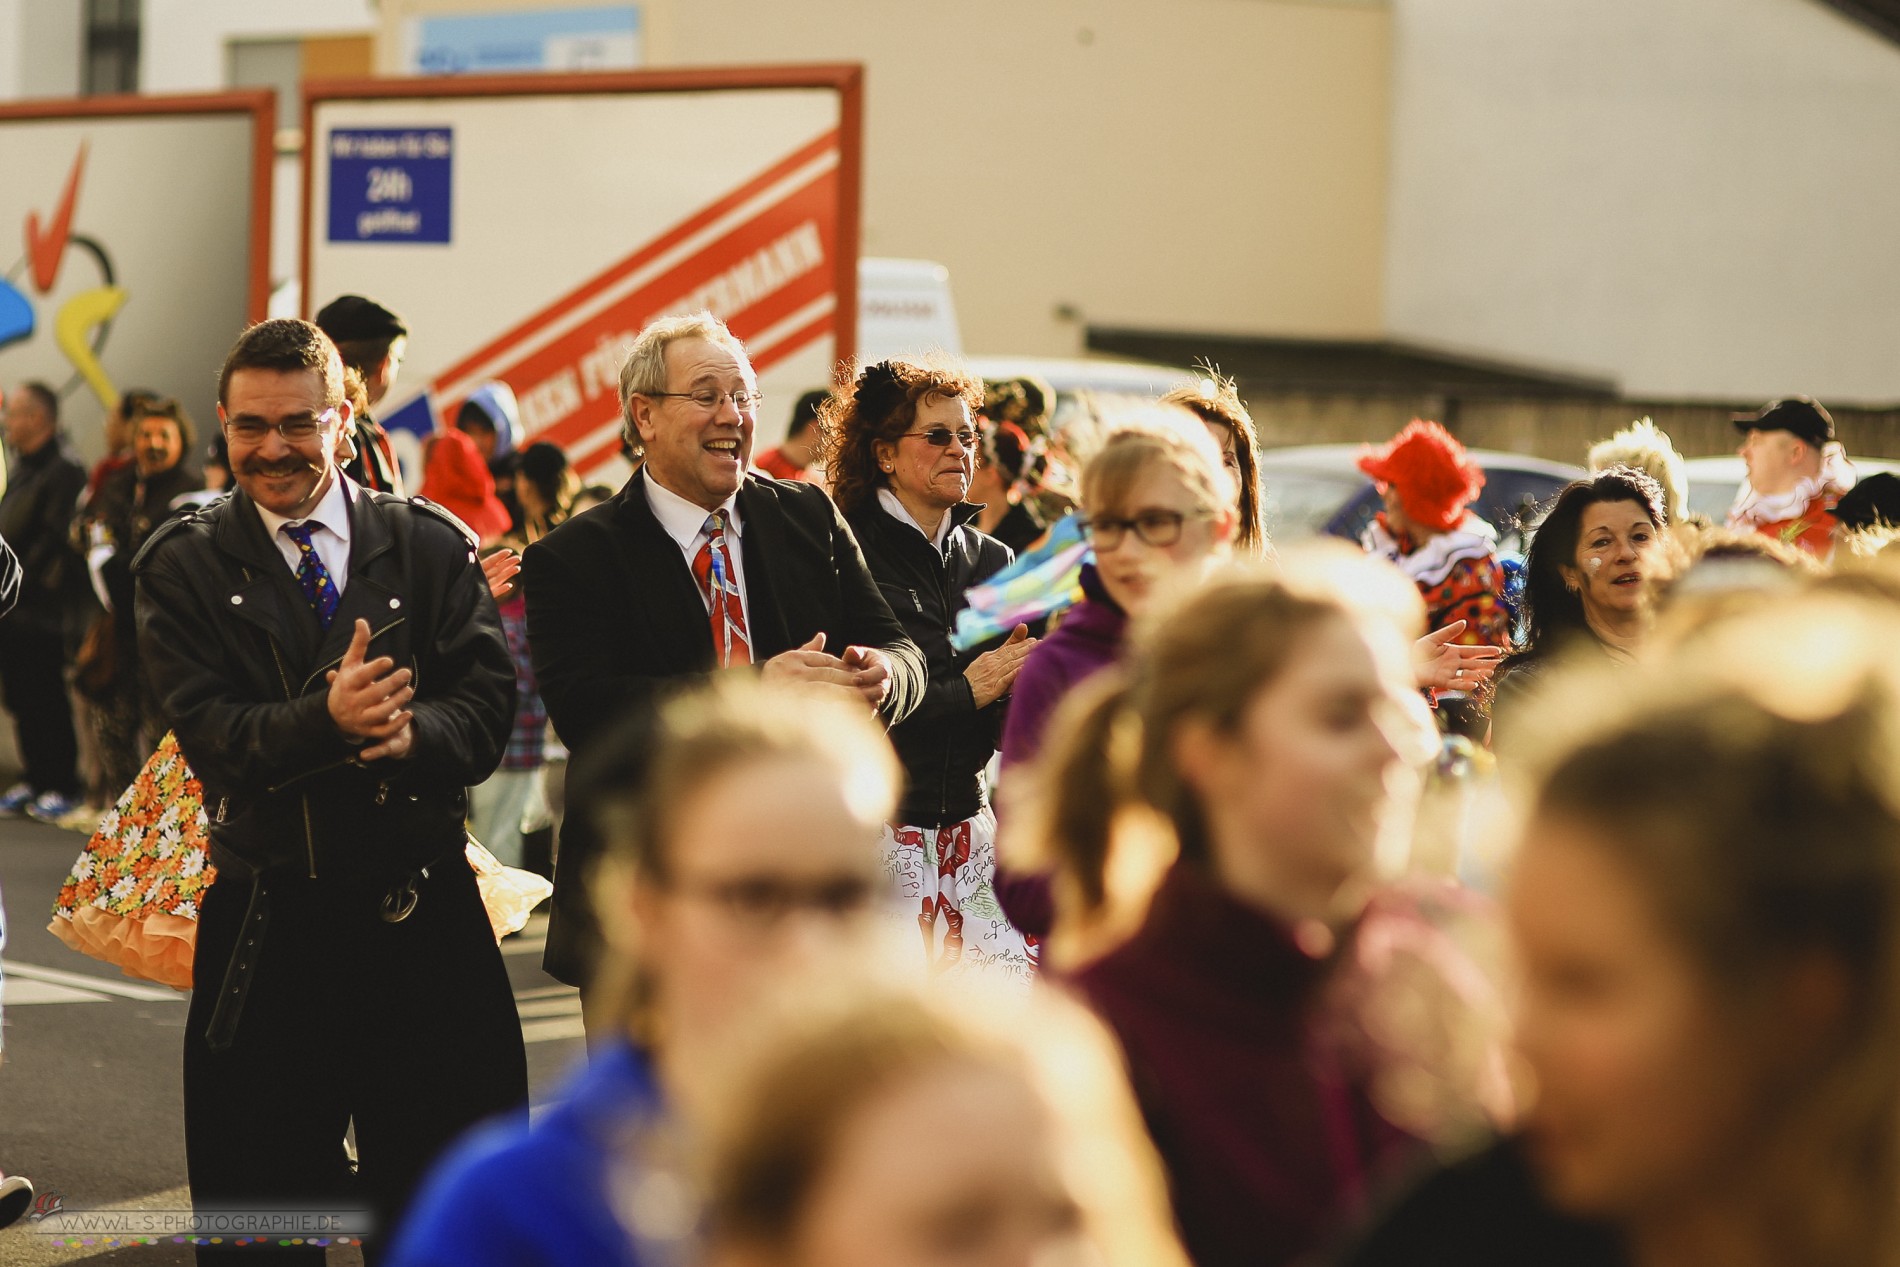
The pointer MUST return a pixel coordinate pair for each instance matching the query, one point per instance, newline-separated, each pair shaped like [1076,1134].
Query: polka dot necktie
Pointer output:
[712,568]
[318,588]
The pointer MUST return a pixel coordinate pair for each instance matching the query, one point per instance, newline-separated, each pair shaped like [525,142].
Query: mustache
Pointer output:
[290,465]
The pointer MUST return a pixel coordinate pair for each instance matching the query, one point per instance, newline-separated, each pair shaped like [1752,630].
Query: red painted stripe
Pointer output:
[813,203]
[666,241]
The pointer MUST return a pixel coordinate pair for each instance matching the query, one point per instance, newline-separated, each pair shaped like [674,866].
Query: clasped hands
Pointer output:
[369,700]
[864,671]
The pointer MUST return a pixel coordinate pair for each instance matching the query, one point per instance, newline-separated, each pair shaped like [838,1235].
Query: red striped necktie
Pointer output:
[719,589]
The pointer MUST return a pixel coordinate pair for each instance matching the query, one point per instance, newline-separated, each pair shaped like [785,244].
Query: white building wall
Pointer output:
[182,48]
[1692,196]
[46,56]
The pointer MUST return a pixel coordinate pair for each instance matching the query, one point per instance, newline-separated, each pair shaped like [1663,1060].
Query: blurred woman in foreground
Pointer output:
[1706,908]
[742,835]
[955,1131]
[1254,732]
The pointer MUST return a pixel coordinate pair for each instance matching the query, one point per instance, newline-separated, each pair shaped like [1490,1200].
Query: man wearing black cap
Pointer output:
[1797,471]
[371,340]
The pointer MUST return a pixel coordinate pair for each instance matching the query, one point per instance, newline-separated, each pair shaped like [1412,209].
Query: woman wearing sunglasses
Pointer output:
[900,447]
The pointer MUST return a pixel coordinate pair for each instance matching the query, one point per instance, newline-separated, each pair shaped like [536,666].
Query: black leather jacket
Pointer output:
[236,662]
[945,744]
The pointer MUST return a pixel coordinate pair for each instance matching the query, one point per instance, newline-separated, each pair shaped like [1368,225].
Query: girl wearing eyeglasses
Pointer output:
[1160,508]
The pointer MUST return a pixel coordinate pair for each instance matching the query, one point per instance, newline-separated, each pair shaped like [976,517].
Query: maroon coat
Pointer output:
[1266,1137]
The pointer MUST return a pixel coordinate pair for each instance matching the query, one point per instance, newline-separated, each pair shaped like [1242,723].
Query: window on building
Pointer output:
[112,46]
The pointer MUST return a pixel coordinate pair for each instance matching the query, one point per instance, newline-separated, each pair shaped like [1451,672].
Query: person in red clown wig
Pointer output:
[1427,529]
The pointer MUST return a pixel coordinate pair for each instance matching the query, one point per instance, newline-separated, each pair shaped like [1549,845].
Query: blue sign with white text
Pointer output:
[391,184]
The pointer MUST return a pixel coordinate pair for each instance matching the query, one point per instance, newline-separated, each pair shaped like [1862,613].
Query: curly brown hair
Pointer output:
[882,405]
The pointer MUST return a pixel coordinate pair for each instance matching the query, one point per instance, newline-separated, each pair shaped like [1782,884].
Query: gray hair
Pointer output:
[643,373]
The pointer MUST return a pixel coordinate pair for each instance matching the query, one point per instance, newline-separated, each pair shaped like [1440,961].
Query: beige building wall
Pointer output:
[1692,198]
[1198,165]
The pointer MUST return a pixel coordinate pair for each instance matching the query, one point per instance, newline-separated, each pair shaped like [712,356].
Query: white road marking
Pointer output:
[22,992]
[553,1029]
[102,985]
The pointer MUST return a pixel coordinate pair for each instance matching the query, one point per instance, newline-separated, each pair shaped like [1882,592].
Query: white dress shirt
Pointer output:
[898,511]
[329,531]
[685,522]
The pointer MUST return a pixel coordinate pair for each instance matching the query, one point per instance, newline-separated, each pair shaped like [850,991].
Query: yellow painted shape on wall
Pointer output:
[72,330]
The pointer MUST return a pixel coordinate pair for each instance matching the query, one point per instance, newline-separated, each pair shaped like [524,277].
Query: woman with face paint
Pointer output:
[1589,578]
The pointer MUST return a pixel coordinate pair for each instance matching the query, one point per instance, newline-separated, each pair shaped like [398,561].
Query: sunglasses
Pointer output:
[939,437]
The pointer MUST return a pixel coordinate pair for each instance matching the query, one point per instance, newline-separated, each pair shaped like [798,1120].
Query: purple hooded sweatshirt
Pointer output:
[1087,640]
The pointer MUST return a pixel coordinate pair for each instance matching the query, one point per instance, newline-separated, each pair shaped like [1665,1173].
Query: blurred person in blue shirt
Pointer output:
[742,824]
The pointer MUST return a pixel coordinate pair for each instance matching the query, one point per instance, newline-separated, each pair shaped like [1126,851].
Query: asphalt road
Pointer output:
[90,1100]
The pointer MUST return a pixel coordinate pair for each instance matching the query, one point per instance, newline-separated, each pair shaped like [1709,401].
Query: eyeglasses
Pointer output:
[939,437]
[764,902]
[293,430]
[710,398]
[1158,528]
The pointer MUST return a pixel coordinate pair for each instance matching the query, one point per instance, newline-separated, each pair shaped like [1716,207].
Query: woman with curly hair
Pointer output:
[900,447]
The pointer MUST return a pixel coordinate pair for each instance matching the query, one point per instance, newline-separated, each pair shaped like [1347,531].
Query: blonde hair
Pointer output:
[1643,446]
[1748,778]
[1163,435]
[813,1075]
[1107,806]
[655,762]
[644,370]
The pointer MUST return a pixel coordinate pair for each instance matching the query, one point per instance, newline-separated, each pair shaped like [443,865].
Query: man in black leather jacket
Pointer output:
[335,671]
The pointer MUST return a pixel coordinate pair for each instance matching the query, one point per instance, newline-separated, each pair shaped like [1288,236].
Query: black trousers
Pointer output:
[33,683]
[407,1029]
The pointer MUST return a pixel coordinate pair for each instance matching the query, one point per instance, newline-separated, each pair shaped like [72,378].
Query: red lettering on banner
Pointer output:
[763,261]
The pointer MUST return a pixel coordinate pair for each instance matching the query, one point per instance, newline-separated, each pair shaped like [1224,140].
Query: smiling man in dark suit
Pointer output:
[695,567]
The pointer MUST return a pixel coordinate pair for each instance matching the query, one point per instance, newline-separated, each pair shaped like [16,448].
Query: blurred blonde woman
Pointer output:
[1706,909]
[1255,730]
[742,848]
[955,1131]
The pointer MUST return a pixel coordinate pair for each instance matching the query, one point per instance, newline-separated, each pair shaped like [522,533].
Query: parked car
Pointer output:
[1713,481]
[1318,488]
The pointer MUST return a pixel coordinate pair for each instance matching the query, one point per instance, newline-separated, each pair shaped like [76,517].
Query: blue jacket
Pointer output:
[514,1195]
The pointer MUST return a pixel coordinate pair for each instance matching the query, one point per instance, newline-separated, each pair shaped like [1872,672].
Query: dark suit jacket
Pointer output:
[615,621]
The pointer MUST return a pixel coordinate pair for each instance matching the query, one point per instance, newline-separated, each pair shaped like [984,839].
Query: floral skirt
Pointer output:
[132,898]
[946,876]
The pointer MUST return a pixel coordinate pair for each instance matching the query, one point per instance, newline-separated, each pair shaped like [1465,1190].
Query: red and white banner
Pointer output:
[762,259]
[578,209]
